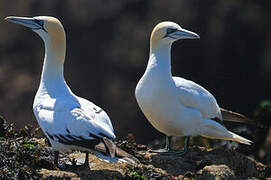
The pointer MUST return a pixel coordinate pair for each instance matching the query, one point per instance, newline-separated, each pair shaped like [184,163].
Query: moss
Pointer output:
[136,175]
[29,146]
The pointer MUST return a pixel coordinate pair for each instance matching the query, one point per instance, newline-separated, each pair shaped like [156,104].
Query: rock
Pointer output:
[217,172]
[23,156]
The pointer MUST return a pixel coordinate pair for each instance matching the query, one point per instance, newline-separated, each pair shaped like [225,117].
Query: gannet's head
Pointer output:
[49,28]
[167,32]
[43,25]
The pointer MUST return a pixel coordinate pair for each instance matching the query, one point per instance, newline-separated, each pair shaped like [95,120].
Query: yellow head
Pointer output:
[167,32]
[49,28]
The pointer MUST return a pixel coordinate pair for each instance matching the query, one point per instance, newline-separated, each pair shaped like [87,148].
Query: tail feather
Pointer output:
[214,130]
[123,154]
[235,117]
[107,147]
[110,146]
[240,139]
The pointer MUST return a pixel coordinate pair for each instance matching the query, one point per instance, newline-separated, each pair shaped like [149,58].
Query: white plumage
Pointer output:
[70,122]
[173,105]
[72,116]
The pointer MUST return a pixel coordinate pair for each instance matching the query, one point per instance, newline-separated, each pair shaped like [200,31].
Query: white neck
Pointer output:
[52,79]
[159,60]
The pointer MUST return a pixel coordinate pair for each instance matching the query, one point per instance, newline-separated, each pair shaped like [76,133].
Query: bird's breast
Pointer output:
[152,89]
[156,99]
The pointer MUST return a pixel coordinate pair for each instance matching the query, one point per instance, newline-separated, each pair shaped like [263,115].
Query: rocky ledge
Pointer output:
[24,156]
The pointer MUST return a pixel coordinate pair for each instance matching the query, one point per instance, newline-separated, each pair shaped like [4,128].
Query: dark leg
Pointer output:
[169,152]
[167,147]
[81,166]
[56,153]
[60,166]
[168,143]
[67,166]
[86,163]
[186,147]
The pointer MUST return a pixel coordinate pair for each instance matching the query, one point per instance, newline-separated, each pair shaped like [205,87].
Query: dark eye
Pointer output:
[40,22]
[170,30]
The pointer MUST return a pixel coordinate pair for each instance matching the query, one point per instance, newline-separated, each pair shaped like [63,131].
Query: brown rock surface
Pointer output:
[197,164]
[25,157]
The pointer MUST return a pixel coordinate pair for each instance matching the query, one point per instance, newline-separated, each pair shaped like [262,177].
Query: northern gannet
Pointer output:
[70,122]
[173,105]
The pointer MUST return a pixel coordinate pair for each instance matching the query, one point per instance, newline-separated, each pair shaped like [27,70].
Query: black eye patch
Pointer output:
[40,22]
[170,30]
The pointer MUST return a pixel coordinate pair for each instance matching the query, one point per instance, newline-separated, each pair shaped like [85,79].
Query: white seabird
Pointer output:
[70,122]
[173,105]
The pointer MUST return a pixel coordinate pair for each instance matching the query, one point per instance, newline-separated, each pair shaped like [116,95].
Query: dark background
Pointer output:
[108,48]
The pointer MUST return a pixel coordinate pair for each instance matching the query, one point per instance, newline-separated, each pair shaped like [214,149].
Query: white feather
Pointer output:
[57,110]
[173,105]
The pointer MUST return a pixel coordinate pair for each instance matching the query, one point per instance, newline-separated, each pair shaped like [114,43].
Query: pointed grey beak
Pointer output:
[32,23]
[184,34]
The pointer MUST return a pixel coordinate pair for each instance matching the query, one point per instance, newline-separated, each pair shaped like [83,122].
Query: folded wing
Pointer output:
[195,96]
[77,127]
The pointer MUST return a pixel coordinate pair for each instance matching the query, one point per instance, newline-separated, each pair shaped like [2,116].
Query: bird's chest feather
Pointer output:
[154,95]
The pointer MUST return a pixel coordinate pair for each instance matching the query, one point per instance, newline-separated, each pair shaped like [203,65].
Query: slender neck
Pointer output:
[159,59]
[52,71]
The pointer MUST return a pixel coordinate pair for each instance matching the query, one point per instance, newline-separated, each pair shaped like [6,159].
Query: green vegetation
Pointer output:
[136,175]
